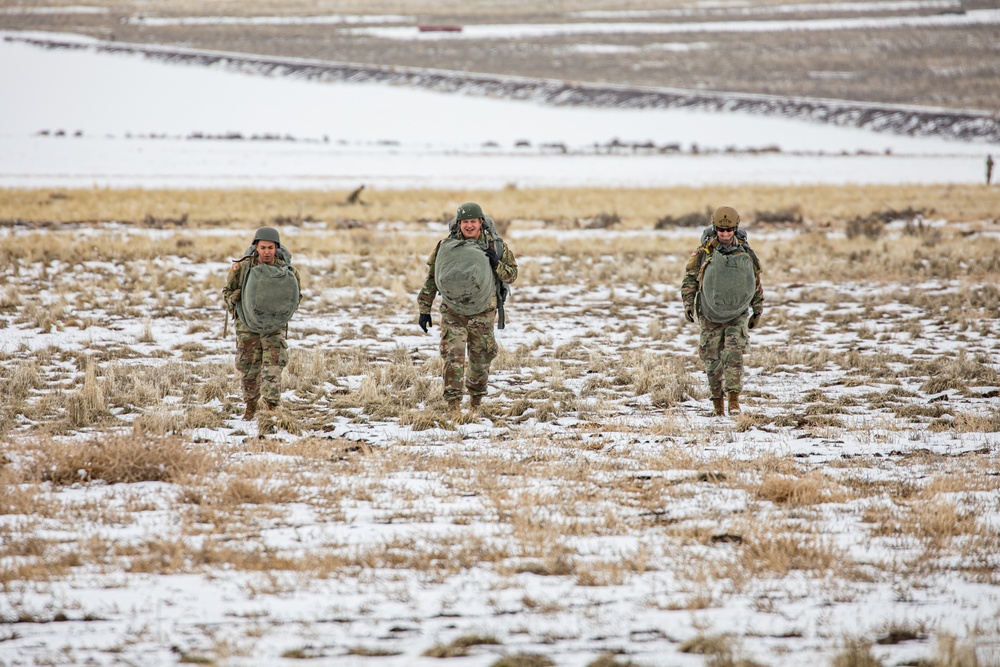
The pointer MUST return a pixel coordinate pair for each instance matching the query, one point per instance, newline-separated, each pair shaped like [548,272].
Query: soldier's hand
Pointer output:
[234,296]
[425,321]
[754,319]
[491,254]
[689,313]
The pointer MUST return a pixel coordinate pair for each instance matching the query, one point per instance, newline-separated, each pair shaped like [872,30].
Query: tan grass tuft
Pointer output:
[83,407]
[118,459]
[460,647]
[856,653]
[524,660]
[949,651]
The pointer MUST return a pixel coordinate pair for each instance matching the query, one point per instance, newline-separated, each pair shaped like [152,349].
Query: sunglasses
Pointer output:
[725,229]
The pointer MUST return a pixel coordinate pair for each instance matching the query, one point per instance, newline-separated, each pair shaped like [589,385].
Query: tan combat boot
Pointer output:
[251,410]
[719,407]
[734,403]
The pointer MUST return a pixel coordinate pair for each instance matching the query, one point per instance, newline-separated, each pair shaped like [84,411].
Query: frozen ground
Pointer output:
[578,517]
[77,117]
[583,514]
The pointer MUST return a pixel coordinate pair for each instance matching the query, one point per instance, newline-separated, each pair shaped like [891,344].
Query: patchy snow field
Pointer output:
[594,513]
[594,508]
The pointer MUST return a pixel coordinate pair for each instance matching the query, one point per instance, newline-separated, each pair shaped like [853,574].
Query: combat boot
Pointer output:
[718,406]
[251,410]
[475,402]
[734,403]
[453,404]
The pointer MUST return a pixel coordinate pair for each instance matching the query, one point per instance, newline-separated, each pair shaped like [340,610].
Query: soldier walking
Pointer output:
[471,269]
[261,345]
[721,281]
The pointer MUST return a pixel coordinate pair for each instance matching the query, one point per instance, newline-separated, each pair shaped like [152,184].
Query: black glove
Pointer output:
[754,319]
[425,321]
[491,254]
[689,313]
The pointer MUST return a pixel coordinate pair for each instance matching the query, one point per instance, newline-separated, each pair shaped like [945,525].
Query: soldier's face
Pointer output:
[725,234]
[266,251]
[471,228]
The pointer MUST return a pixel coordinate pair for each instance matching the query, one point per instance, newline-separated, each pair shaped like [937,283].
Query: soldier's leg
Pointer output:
[274,358]
[248,363]
[482,351]
[454,338]
[734,344]
[710,353]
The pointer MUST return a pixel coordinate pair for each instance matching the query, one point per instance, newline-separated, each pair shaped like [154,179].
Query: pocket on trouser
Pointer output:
[275,351]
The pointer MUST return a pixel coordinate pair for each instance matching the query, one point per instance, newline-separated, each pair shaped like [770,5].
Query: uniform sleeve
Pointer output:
[298,279]
[757,302]
[507,268]
[689,286]
[232,287]
[425,300]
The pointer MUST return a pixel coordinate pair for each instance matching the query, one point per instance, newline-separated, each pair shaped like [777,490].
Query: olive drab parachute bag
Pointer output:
[269,296]
[463,274]
[727,286]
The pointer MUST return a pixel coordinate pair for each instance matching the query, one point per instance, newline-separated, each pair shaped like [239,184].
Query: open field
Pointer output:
[592,514]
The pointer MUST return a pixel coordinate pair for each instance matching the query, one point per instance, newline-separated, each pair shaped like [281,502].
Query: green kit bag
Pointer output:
[270,295]
[463,276]
[727,286]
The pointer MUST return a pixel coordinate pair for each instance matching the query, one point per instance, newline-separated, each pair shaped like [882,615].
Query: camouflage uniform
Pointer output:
[459,332]
[721,345]
[259,359]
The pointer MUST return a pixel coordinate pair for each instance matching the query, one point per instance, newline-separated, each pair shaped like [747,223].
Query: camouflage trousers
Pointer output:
[459,332]
[260,361]
[721,349]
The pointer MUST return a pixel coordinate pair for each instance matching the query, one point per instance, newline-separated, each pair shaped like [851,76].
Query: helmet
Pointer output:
[725,216]
[469,211]
[267,234]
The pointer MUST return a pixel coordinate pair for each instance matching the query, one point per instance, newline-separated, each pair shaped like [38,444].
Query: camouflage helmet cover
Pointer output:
[469,211]
[725,216]
[267,234]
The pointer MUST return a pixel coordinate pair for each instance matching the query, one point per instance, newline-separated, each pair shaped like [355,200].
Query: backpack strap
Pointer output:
[501,287]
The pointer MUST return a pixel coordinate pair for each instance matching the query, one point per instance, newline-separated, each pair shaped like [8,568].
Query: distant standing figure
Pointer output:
[471,268]
[262,292]
[721,281]
[989,169]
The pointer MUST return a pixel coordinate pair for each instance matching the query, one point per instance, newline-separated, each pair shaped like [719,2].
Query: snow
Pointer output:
[134,117]
[133,121]
[974,17]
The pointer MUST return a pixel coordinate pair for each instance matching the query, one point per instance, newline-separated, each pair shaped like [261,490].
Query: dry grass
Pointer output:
[638,208]
[597,427]
[114,459]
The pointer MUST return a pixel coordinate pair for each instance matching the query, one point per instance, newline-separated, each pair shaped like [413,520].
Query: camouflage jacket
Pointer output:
[506,271]
[232,292]
[691,284]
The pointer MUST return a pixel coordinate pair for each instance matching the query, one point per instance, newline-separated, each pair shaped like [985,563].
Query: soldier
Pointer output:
[989,169]
[721,280]
[261,349]
[470,268]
